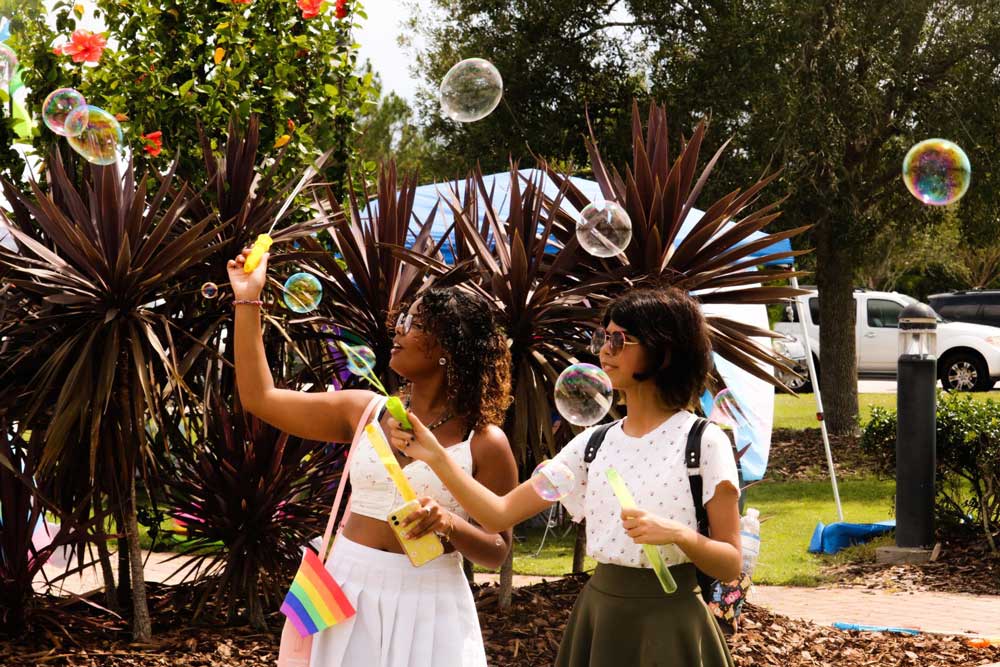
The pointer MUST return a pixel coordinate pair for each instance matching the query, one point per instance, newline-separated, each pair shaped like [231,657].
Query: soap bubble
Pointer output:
[937,172]
[210,290]
[553,481]
[728,410]
[100,141]
[58,108]
[583,394]
[360,359]
[604,229]
[471,90]
[303,292]
[8,65]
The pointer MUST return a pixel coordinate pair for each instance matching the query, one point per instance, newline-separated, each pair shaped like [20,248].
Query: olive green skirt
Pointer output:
[624,619]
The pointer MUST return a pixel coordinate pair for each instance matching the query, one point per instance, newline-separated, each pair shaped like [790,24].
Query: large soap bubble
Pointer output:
[303,292]
[553,481]
[100,141]
[210,290]
[471,90]
[604,229]
[583,394]
[8,65]
[937,172]
[59,107]
[360,359]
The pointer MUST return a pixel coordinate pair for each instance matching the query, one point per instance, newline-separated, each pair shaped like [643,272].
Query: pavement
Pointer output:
[932,612]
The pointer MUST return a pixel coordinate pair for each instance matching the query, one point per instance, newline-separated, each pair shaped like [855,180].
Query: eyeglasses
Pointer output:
[406,323]
[617,340]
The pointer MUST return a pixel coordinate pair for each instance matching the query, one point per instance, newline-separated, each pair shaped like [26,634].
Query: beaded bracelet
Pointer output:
[248,302]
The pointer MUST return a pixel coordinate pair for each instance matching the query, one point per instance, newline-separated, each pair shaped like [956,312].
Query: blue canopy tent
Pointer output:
[755,395]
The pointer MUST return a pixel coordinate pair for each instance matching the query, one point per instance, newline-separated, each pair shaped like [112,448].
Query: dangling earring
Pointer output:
[442,361]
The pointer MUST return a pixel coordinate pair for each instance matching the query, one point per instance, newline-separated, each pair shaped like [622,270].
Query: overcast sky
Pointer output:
[379,37]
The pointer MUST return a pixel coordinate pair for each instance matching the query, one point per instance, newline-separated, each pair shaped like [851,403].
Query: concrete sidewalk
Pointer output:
[943,613]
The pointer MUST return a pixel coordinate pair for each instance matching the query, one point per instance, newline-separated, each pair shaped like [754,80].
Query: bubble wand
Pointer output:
[652,553]
[393,405]
[264,241]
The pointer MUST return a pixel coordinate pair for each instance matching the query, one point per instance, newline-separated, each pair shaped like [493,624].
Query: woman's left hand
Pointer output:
[647,528]
[432,518]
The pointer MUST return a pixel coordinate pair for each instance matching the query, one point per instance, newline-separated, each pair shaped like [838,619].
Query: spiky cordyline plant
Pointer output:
[260,493]
[94,261]
[713,261]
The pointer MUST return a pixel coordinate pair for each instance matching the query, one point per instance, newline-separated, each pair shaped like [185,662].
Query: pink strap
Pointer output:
[358,434]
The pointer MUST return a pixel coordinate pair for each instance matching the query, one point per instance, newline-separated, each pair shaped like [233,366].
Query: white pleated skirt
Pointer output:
[406,616]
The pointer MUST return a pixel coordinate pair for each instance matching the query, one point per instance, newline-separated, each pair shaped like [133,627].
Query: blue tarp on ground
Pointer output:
[831,539]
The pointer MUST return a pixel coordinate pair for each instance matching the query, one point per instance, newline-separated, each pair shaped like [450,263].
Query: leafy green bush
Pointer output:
[968,458]
[170,64]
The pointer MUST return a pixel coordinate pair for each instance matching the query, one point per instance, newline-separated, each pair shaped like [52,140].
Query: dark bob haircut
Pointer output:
[670,326]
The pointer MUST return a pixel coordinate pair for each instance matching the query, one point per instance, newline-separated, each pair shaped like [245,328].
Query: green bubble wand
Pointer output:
[652,553]
[393,405]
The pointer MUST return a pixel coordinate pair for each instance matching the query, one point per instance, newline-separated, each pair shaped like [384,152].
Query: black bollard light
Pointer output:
[916,429]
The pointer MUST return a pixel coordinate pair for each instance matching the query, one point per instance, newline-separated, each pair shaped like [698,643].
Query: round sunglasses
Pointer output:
[406,323]
[616,340]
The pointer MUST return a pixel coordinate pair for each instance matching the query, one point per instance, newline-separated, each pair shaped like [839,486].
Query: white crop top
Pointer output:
[373,493]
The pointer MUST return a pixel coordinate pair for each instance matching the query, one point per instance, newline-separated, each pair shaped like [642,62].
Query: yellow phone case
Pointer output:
[421,550]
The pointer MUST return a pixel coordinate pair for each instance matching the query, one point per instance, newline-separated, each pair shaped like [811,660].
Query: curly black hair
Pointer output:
[475,348]
[670,325]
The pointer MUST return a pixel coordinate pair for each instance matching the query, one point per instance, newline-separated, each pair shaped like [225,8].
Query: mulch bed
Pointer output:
[799,455]
[525,636]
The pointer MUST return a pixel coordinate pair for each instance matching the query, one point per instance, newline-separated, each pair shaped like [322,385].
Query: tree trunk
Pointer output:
[580,547]
[506,582]
[124,593]
[108,572]
[255,608]
[142,628]
[838,372]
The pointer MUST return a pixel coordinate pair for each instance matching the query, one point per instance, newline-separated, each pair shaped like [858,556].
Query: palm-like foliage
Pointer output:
[713,260]
[255,490]
[94,262]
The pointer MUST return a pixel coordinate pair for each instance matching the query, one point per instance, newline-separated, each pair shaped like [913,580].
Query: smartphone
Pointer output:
[421,550]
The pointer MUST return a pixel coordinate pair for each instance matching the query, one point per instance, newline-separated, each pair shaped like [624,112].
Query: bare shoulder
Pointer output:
[490,442]
[492,461]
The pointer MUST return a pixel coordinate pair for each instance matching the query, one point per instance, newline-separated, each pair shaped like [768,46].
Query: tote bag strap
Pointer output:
[359,433]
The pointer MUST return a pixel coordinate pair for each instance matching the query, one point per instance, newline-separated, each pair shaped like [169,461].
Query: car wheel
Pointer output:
[800,384]
[964,371]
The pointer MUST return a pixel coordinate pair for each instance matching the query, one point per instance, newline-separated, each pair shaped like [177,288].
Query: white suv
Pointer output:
[968,354]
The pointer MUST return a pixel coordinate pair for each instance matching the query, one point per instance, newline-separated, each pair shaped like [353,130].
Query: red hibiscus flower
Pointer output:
[242,2]
[154,143]
[83,46]
[341,9]
[310,8]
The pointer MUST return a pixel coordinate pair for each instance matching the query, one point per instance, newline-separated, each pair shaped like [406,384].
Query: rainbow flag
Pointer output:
[315,601]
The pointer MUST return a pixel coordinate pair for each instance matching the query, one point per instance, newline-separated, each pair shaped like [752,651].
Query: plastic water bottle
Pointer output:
[750,539]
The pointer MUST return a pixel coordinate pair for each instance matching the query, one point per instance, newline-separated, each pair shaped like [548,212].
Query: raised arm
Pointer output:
[326,416]
[493,512]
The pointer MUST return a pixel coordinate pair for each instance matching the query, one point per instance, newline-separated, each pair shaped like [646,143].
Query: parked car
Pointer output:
[976,306]
[968,354]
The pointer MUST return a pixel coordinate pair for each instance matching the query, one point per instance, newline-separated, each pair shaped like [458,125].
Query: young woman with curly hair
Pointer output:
[450,348]
[655,348]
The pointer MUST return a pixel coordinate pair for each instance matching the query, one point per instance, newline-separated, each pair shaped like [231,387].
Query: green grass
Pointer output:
[789,512]
[798,412]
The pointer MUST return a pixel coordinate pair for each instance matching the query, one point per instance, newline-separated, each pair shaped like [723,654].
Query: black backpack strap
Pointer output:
[692,455]
[595,442]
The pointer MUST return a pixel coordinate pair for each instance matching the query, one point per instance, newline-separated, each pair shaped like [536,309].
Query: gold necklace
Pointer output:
[444,418]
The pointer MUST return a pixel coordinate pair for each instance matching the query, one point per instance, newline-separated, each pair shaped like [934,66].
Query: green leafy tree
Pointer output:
[835,93]
[558,61]
[171,65]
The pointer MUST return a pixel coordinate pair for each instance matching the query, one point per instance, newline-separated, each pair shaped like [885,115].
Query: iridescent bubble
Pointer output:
[58,108]
[583,394]
[210,290]
[937,172]
[303,292]
[100,141]
[8,65]
[553,481]
[360,359]
[471,90]
[728,410]
[604,229]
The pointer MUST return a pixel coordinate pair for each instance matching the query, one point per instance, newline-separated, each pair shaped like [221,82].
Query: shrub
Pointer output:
[968,458]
